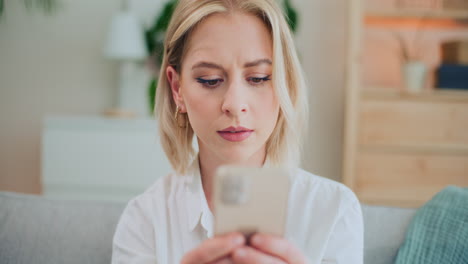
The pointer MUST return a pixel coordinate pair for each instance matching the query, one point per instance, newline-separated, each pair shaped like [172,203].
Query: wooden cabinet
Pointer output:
[401,148]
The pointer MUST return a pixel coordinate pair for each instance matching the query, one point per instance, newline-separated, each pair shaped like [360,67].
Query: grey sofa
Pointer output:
[34,229]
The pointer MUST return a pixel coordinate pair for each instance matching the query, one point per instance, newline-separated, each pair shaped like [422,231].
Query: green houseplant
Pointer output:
[48,6]
[155,39]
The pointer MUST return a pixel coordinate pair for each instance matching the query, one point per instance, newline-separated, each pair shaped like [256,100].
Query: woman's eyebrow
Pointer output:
[204,64]
[257,62]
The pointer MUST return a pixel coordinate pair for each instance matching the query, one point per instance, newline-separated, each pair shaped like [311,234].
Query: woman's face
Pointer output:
[225,87]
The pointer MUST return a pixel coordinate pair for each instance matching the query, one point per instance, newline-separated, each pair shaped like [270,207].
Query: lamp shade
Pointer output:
[125,40]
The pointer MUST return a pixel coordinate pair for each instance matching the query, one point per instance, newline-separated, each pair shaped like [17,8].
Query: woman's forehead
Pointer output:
[241,37]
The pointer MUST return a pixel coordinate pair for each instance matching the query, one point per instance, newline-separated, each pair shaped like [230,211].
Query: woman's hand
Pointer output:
[269,249]
[216,250]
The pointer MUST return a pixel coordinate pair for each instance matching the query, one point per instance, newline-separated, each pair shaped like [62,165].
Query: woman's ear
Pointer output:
[174,80]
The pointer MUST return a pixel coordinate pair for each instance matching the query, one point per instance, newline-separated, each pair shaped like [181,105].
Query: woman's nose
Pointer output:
[235,100]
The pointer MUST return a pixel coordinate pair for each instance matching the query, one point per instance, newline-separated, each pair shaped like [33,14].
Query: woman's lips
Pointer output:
[235,134]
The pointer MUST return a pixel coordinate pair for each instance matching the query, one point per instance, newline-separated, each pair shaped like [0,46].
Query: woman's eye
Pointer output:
[210,82]
[258,80]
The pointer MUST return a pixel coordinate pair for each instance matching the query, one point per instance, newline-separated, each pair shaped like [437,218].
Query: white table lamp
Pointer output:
[125,43]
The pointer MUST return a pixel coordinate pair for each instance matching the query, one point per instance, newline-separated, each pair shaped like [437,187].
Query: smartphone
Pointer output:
[250,200]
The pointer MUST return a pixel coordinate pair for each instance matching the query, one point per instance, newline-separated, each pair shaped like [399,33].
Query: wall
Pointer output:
[49,65]
[322,44]
[54,65]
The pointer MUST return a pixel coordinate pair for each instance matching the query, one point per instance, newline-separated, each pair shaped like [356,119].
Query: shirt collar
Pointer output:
[198,210]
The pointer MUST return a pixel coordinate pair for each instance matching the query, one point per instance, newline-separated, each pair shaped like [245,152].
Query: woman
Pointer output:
[231,77]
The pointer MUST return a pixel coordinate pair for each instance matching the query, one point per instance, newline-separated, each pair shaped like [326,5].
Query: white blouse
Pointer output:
[172,217]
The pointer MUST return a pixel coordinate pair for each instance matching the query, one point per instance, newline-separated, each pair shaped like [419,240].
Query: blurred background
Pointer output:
[387,79]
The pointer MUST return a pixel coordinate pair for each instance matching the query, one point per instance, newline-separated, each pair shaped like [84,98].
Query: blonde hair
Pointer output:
[284,145]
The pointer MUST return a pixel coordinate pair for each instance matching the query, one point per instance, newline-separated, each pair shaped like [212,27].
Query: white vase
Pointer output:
[414,76]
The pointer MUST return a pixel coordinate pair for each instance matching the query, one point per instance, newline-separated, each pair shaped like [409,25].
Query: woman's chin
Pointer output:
[242,157]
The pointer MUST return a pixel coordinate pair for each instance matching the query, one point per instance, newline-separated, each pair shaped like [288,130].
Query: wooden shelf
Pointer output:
[382,93]
[377,200]
[401,148]
[409,13]
[426,149]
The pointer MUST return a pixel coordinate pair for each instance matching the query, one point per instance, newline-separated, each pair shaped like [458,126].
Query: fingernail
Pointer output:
[238,240]
[240,252]
[257,240]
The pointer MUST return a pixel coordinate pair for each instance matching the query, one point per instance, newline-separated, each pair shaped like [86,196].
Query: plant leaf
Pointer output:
[291,15]
[152,94]
[154,36]
[1,7]
[47,6]
[165,16]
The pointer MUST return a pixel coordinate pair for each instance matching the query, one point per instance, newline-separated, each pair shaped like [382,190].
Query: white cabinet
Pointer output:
[97,158]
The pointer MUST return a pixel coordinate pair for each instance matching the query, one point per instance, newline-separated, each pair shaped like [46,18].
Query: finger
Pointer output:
[277,246]
[213,249]
[248,255]
[226,260]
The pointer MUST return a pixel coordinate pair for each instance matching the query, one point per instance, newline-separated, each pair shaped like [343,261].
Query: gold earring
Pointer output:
[177,110]
[176,117]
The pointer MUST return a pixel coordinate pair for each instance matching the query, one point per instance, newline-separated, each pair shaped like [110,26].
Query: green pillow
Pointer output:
[438,232]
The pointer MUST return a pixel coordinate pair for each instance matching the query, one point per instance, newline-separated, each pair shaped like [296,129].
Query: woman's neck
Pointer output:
[209,162]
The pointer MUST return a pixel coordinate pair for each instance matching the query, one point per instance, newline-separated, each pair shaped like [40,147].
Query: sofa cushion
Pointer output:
[384,231]
[34,229]
[439,230]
